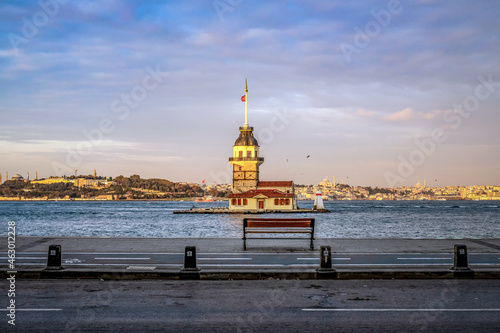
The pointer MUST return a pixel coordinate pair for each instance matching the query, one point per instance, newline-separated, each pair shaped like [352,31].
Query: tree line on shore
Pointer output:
[133,187]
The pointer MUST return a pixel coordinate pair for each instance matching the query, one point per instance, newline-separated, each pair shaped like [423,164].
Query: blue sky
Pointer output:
[378,93]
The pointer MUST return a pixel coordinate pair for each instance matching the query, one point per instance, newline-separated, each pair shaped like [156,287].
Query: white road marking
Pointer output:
[33,309]
[142,267]
[182,253]
[255,265]
[424,258]
[28,258]
[399,310]
[122,258]
[426,264]
[319,259]
[125,264]
[224,258]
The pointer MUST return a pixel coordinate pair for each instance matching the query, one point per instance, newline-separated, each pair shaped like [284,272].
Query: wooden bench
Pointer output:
[277,226]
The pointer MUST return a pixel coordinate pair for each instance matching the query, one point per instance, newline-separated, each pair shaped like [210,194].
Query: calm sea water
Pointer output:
[351,219]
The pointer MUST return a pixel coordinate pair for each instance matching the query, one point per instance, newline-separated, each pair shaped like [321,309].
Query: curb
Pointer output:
[253,275]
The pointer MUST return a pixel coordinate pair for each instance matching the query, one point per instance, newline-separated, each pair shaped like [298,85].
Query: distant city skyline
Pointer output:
[334,181]
[374,93]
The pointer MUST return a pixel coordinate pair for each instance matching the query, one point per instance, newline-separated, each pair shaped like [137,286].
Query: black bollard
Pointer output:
[326,258]
[460,260]
[325,268]
[190,258]
[54,257]
[190,271]
[460,263]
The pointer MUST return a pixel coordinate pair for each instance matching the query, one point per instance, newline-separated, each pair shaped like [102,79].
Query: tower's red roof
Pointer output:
[267,193]
[280,183]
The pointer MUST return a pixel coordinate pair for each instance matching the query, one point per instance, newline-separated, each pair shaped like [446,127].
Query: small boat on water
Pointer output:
[205,199]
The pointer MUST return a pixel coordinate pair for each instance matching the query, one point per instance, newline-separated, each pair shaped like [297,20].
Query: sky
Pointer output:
[376,93]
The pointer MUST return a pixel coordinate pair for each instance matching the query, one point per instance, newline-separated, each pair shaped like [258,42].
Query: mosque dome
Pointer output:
[17,177]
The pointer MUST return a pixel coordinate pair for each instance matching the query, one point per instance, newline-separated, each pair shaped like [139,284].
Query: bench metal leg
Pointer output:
[244,243]
[312,244]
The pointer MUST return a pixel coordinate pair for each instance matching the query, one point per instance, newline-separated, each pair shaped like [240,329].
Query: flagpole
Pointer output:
[246,101]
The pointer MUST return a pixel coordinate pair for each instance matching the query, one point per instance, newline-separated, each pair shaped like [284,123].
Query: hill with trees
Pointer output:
[121,187]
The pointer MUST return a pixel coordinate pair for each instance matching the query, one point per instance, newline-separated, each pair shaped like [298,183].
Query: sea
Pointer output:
[348,219]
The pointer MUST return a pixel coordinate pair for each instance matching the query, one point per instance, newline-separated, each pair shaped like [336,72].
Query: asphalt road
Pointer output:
[255,306]
[257,259]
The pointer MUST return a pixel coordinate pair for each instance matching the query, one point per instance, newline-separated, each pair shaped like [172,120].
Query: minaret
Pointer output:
[94,174]
[0,179]
[36,175]
[6,175]
[245,160]
[28,177]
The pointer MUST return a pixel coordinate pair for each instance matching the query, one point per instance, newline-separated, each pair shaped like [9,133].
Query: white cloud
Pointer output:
[365,113]
[410,114]
[405,114]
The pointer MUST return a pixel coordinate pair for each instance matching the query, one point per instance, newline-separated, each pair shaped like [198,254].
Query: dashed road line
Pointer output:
[397,310]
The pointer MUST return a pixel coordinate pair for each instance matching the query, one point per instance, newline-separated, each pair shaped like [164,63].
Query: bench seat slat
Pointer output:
[280,230]
[252,224]
[277,220]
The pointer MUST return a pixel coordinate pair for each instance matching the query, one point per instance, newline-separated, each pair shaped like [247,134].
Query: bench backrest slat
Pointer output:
[277,223]
[277,219]
[269,224]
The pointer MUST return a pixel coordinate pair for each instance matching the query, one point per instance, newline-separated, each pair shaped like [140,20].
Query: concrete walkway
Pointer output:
[224,245]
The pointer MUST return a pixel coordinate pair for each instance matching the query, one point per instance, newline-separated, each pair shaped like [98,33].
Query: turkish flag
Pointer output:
[244,98]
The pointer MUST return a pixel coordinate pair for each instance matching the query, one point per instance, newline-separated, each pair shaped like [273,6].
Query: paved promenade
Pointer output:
[373,256]
[339,245]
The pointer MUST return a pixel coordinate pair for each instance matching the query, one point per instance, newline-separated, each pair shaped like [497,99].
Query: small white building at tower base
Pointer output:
[268,196]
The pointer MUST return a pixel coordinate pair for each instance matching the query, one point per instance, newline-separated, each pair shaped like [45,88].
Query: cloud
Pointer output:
[365,113]
[410,114]
[405,114]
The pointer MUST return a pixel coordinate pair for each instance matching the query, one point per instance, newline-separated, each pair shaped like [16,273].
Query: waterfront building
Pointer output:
[83,182]
[249,193]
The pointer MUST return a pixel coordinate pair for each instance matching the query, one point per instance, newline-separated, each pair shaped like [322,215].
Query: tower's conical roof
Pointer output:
[246,137]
